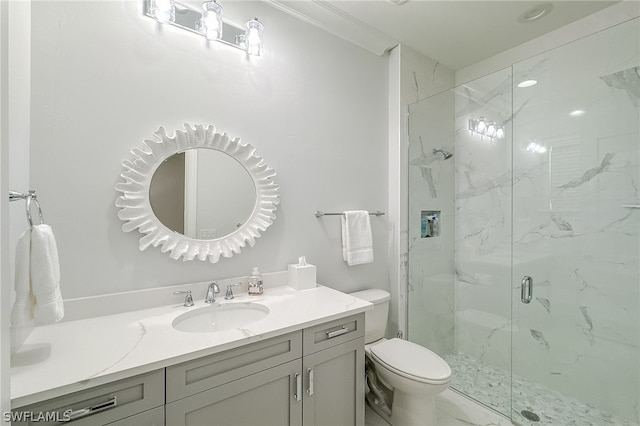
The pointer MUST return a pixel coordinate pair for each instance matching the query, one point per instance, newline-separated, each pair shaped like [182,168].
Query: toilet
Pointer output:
[402,377]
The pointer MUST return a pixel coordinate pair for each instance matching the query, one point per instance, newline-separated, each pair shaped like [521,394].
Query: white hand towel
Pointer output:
[357,241]
[22,312]
[45,276]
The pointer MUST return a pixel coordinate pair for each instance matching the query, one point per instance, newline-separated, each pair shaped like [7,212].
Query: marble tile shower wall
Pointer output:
[571,231]
[431,186]
[427,264]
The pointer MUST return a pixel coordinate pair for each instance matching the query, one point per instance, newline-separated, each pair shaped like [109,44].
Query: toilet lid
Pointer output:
[412,361]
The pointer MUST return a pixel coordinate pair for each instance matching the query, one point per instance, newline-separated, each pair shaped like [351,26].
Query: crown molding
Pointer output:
[332,19]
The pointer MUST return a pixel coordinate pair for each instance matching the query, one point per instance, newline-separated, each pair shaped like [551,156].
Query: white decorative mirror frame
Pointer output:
[135,206]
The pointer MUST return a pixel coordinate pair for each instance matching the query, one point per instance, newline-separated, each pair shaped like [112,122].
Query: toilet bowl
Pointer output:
[402,377]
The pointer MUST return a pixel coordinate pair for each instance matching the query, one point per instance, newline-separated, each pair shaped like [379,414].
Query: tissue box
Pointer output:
[302,277]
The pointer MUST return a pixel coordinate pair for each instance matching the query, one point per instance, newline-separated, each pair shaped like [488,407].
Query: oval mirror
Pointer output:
[198,194]
[202,193]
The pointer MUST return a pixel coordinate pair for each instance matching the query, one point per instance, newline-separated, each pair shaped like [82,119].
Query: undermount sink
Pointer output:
[220,317]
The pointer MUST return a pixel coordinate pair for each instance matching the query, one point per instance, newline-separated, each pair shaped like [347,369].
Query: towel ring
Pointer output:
[31,195]
[34,197]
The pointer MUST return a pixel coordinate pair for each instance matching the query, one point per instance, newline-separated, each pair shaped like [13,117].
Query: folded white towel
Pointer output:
[37,278]
[357,241]
[45,276]
[22,312]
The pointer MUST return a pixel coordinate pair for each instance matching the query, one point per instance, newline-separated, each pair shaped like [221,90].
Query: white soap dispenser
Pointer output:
[255,283]
[303,275]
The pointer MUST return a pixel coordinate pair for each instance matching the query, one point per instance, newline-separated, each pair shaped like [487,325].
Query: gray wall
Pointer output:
[104,78]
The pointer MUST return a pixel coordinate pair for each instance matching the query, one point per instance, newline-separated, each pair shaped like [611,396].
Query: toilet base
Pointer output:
[408,410]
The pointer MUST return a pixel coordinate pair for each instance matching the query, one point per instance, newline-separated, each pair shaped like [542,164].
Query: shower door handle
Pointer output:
[526,289]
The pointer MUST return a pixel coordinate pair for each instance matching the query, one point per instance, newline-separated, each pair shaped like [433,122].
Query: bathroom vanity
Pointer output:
[302,364]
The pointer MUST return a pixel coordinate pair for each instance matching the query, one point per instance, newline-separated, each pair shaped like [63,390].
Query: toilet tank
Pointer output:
[375,325]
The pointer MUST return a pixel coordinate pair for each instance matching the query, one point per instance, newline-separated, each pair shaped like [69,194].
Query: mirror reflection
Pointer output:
[202,193]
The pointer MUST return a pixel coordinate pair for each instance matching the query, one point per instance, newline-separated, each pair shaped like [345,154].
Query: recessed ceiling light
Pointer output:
[535,12]
[577,113]
[527,83]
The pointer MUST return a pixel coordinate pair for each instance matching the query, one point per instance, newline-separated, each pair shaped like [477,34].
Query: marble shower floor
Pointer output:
[492,386]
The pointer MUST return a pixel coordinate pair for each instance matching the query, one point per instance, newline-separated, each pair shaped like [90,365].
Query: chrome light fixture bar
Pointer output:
[207,22]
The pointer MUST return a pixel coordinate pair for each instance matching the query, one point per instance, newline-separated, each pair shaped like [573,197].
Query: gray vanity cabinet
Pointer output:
[313,377]
[333,367]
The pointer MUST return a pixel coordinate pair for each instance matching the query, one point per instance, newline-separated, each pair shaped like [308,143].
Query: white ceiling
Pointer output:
[453,32]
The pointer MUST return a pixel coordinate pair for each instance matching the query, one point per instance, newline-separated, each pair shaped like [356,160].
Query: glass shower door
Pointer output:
[576,233]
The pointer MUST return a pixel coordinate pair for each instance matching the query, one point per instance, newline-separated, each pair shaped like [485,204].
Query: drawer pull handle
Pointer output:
[84,412]
[310,390]
[298,394]
[343,330]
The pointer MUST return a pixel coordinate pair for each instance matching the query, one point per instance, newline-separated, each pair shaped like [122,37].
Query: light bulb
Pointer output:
[491,129]
[500,132]
[163,10]
[212,20]
[253,37]
[481,126]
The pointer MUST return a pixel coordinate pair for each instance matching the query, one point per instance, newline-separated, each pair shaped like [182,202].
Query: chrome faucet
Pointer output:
[229,294]
[188,300]
[211,293]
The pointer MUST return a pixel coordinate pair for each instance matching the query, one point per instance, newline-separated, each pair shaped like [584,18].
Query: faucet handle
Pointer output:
[188,300]
[229,294]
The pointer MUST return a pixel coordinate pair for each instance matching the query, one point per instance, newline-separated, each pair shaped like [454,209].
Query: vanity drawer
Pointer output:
[332,333]
[196,376]
[97,406]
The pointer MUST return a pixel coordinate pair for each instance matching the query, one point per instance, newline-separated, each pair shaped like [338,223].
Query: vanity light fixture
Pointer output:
[480,125]
[164,11]
[489,129]
[253,37]
[211,21]
[536,147]
[208,22]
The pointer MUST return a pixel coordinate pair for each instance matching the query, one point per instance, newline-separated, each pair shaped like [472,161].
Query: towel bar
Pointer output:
[318,213]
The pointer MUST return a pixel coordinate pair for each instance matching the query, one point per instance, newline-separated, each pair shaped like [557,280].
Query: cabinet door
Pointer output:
[334,386]
[266,398]
[153,417]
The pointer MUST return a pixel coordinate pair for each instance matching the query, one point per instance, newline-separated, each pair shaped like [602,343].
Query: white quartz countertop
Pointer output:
[70,356]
